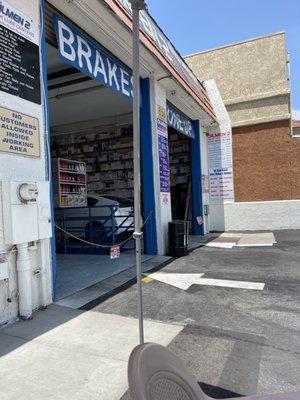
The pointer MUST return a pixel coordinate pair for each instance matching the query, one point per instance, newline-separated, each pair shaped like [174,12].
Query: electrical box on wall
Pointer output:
[44,210]
[26,211]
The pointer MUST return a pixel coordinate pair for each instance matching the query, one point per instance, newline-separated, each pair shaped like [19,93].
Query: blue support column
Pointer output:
[147,178]
[47,138]
[197,179]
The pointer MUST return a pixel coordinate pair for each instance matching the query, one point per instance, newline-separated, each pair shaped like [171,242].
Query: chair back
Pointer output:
[155,373]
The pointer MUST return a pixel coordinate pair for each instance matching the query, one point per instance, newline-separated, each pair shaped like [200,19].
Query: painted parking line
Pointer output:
[184,281]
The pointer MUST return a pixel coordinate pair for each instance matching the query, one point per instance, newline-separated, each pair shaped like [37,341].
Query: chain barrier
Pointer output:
[97,244]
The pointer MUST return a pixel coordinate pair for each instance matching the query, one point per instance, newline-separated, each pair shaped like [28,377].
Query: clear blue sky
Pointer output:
[195,25]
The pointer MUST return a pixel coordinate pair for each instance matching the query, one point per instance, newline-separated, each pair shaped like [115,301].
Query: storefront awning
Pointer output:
[160,46]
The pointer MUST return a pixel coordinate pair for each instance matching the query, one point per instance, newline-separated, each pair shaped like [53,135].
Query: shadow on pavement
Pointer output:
[217,392]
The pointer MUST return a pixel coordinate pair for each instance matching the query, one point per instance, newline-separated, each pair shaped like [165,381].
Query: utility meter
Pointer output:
[28,192]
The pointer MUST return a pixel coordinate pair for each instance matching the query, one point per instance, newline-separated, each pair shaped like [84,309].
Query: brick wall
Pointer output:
[266,162]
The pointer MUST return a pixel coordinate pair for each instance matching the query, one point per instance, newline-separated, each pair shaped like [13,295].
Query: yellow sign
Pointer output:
[161,111]
[19,133]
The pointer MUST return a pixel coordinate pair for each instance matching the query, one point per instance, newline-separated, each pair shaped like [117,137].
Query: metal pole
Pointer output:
[137,5]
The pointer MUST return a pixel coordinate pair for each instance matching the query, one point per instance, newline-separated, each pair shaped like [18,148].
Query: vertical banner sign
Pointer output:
[19,54]
[163,149]
[220,167]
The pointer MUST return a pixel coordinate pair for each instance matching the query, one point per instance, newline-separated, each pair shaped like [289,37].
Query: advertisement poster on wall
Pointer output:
[220,167]
[19,54]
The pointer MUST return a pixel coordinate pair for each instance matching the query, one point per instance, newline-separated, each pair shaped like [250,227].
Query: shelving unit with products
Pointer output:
[179,153]
[108,156]
[180,172]
[70,186]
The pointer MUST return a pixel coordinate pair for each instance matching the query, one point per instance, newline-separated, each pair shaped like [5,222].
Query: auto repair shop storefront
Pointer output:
[85,158]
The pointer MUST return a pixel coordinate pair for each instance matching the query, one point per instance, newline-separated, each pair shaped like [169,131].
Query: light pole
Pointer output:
[137,5]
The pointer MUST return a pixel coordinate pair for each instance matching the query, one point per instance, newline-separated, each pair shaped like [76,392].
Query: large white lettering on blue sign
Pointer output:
[179,121]
[82,53]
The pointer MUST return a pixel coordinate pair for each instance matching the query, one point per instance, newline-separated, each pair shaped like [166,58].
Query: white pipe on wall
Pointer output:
[2,243]
[2,254]
[44,257]
[24,281]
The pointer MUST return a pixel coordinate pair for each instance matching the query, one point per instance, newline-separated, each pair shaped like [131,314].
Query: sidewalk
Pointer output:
[65,354]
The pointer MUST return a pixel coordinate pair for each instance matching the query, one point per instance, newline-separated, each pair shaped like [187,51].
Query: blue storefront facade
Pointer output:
[86,84]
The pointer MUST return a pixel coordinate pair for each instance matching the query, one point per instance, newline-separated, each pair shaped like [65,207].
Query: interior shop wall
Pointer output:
[17,167]
[266,162]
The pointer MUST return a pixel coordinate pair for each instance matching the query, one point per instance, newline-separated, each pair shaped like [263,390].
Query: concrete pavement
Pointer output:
[65,354]
[235,341]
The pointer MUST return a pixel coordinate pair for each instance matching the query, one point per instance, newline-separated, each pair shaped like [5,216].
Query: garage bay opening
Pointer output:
[90,107]
[180,176]
[180,135]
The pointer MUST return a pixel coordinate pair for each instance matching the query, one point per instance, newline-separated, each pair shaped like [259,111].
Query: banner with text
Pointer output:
[220,167]
[78,50]
[164,164]
[19,54]
[163,147]
[179,121]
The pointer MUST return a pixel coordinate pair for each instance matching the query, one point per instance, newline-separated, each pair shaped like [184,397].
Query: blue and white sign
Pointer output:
[179,121]
[78,50]
[163,149]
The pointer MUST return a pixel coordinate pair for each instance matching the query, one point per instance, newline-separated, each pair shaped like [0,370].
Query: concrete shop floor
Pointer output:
[79,271]
[76,272]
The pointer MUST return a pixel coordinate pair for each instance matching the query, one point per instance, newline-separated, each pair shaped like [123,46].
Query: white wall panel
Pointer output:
[262,215]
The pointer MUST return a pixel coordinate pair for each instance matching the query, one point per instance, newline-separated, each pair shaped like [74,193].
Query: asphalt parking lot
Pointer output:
[235,341]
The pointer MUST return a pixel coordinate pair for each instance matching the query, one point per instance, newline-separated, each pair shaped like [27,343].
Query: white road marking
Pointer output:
[184,281]
[231,284]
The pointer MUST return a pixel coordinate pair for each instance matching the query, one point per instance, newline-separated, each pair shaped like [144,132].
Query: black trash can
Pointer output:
[178,238]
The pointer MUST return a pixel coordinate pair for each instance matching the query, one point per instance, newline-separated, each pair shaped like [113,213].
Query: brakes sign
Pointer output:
[115,252]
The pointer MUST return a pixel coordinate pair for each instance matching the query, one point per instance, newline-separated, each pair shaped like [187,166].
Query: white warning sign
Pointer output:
[19,133]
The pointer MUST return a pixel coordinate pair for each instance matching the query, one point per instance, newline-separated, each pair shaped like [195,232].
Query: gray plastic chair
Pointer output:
[155,373]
